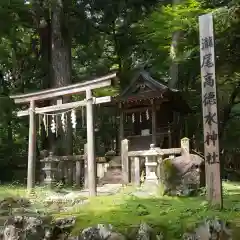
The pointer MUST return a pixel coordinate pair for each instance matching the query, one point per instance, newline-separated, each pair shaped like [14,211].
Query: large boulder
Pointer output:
[181,175]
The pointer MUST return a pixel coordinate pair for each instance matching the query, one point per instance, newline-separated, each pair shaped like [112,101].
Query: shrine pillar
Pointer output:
[121,125]
[154,125]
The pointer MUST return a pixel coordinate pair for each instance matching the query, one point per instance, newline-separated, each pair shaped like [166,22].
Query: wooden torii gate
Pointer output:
[58,93]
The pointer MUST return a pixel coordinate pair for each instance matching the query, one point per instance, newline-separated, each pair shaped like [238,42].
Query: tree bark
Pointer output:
[61,46]
[61,60]
[173,72]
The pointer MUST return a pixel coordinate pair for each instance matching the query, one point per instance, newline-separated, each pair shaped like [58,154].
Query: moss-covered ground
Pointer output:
[173,215]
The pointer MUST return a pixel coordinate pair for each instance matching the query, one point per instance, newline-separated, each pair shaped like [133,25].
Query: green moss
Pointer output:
[168,170]
[172,215]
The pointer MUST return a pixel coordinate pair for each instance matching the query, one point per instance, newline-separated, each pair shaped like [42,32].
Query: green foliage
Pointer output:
[159,27]
[117,35]
[157,32]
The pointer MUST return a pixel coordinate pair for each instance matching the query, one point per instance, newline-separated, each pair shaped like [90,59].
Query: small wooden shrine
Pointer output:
[150,112]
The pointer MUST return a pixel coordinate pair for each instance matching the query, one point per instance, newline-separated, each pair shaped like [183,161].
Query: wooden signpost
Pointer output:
[210,112]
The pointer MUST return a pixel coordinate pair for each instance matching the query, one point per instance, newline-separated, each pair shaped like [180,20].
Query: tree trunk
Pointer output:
[61,61]
[173,72]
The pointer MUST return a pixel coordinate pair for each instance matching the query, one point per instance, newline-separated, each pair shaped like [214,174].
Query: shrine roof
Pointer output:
[144,86]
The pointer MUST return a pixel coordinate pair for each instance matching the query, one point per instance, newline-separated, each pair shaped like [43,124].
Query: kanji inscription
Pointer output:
[208,80]
[209,107]
[209,98]
[210,118]
[206,42]
[207,60]
[211,137]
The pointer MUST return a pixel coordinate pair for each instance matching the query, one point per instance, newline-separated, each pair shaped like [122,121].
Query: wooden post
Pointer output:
[78,172]
[154,126]
[125,162]
[70,172]
[169,136]
[65,170]
[121,125]
[85,167]
[90,145]
[210,113]
[31,147]
[137,177]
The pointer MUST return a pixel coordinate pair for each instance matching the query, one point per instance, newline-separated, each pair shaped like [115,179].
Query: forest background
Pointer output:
[46,43]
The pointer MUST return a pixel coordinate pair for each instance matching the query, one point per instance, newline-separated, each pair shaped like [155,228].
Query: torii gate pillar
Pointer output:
[31,148]
[90,145]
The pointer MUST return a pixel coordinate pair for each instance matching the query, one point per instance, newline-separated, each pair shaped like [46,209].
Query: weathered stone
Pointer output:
[181,175]
[145,232]
[36,228]
[11,202]
[101,232]
[212,229]
[116,236]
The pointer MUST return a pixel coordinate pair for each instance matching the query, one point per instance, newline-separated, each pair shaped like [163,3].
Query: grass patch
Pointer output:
[172,215]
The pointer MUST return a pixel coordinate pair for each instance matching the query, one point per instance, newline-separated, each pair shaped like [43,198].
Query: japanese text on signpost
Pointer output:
[209,106]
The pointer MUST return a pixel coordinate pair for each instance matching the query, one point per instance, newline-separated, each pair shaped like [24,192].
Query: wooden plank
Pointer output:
[91,146]
[155,152]
[62,91]
[31,148]
[210,114]
[137,173]
[64,106]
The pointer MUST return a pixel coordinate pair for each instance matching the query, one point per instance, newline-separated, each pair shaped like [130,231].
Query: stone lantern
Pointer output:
[151,167]
[50,169]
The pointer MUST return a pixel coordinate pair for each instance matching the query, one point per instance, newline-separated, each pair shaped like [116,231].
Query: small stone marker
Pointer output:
[185,144]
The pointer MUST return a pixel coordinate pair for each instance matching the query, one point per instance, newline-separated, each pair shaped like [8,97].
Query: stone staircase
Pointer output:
[113,175]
